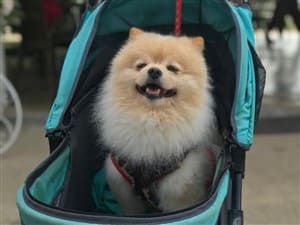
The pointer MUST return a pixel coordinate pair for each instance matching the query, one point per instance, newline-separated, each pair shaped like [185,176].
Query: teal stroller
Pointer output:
[69,187]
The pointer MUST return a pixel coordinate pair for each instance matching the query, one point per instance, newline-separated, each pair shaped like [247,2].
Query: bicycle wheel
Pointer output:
[11,114]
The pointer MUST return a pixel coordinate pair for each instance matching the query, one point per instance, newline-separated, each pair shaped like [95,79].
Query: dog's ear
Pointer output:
[134,32]
[199,42]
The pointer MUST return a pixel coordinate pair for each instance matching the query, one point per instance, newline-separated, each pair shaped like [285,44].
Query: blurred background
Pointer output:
[35,35]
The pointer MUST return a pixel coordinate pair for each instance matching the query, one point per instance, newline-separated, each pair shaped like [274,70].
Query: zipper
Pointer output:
[57,135]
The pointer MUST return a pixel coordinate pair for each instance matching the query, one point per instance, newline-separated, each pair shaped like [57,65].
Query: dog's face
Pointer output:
[153,71]
[156,100]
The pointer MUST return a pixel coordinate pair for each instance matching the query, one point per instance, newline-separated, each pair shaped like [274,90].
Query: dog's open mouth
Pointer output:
[154,91]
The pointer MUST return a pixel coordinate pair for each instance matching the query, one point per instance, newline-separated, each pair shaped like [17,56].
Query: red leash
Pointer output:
[178,17]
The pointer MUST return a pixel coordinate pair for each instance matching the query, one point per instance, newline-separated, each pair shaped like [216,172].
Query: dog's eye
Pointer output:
[172,68]
[140,66]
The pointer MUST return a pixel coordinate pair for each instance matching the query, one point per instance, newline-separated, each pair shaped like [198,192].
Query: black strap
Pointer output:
[145,177]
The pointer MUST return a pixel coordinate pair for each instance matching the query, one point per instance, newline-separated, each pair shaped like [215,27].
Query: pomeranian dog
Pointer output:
[155,114]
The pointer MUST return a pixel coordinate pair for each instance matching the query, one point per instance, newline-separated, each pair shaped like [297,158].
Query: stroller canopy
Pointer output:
[238,103]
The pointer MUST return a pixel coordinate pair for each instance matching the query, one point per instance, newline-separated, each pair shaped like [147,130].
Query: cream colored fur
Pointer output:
[145,130]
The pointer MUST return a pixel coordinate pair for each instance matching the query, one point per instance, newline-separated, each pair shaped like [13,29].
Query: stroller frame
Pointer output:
[61,117]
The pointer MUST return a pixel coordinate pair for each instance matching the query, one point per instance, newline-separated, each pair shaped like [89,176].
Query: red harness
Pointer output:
[123,173]
[130,179]
[212,158]
[146,187]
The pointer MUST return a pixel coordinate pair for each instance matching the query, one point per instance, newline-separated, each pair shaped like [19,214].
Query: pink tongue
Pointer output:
[153,91]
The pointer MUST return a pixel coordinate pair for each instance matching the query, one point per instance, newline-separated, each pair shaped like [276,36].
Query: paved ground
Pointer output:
[271,186]
[29,150]
[282,90]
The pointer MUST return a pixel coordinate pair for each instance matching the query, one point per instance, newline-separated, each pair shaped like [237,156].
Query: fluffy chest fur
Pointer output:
[152,135]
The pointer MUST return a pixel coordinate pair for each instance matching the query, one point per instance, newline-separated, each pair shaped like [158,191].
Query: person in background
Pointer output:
[283,8]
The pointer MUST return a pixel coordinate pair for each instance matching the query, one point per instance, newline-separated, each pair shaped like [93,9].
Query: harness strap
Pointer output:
[121,170]
[144,179]
[212,158]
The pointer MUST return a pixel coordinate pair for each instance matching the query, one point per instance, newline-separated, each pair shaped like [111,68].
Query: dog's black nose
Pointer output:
[154,73]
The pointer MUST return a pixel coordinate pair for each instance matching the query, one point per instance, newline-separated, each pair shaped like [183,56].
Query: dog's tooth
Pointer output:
[153,91]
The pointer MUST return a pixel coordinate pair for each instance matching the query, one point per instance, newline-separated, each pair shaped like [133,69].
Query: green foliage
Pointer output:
[13,19]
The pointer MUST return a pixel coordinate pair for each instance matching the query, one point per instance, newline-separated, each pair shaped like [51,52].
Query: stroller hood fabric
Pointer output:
[115,16]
